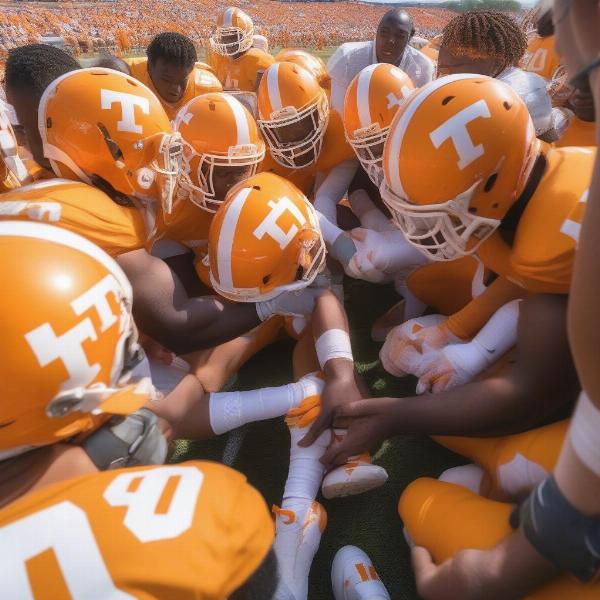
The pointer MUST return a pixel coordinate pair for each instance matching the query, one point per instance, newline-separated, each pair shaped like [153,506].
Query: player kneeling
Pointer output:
[66,529]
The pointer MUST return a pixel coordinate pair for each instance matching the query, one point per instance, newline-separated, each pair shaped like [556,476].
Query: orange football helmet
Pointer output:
[206,81]
[108,124]
[71,336]
[372,100]
[309,61]
[459,153]
[264,240]
[13,172]
[220,137]
[293,114]
[233,34]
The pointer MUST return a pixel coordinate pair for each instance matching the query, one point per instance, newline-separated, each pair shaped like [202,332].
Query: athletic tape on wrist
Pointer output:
[584,433]
[334,343]
[567,538]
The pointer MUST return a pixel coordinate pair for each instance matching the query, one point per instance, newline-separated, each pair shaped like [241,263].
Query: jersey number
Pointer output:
[64,530]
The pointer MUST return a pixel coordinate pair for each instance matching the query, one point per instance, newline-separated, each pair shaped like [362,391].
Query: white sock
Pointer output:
[467,476]
[230,410]
[306,472]
[304,479]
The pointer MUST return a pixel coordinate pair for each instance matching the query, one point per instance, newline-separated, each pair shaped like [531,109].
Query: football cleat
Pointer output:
[353,576]
[357,476]
[297,538]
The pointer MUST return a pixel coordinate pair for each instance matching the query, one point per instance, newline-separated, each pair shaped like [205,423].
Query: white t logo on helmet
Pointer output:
[455,129]
[269,225]
[128,103]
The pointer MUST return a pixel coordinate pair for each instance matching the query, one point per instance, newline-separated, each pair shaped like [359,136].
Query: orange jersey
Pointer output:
[200,81]
[541,58]
[335,150]
[80,208]
[542,255]
[241,73]
[195,530]
[579,133]
[188,225]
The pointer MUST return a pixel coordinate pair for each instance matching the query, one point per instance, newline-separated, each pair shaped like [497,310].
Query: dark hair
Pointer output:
[109,61]
[261,585]
[486,34]
[34,67]
[173,48]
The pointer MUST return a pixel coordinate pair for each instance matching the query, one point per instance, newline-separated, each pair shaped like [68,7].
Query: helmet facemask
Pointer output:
[201,168]
[298,153]
[231,41]
[368,144]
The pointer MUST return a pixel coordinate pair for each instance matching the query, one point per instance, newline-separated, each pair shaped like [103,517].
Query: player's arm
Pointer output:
[164,311]
[331,335]
[334,187]
[526,393]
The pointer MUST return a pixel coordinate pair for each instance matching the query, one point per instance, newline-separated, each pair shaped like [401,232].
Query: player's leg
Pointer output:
[511,466]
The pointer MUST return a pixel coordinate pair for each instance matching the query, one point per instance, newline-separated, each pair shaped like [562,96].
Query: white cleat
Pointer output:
[357,476]
[297,540]
[353,576]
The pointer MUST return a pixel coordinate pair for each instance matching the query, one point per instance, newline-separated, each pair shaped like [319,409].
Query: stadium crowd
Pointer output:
[126,25]
[164,219]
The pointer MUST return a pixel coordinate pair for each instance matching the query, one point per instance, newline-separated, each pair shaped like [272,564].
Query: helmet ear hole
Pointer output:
[489,184]
[113,147]
[266,279]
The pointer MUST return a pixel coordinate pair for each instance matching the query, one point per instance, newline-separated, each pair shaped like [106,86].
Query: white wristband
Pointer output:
[584,433]
[334,343]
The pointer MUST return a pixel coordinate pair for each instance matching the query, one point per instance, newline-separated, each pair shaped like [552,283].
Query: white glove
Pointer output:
[300,303]
[458,364]
[379,255]
[407,349]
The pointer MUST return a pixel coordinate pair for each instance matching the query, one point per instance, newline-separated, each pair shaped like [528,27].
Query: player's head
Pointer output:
[13,172]
[577,41]
[71,336]
[109,61]
[261,585]
[221,147]
[481,41]
[393,34]
[458,155]
[293,114]
[171,59]
[372,100]
[109,130]
[29,71]
[233,34]
[264,240]
[310,62]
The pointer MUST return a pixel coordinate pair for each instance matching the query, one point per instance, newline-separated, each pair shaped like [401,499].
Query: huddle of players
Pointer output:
[459,202]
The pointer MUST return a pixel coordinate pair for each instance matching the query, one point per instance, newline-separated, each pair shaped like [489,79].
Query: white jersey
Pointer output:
[351,58]
[533,90]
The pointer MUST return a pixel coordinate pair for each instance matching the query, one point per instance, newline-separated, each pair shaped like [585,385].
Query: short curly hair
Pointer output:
[174,48]
[486,34]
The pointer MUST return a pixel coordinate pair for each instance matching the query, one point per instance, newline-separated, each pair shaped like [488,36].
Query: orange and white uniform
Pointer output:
[446,518]
[200,81]
[13,170]
[187,531]
[541,57]
[80,208]
[242,73]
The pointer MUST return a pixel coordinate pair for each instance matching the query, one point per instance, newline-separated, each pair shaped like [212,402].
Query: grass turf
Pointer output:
[369,521]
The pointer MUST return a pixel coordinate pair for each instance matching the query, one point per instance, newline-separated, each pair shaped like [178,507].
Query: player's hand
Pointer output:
[407,346]
[360,264]
[299,303]
[337,392]
[463,577]
[367,422]
[452,366]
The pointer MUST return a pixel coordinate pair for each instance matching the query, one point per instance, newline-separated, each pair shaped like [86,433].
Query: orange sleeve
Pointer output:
[467,322]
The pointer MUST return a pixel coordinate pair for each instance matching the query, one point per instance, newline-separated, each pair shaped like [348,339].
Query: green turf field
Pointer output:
[369,521]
